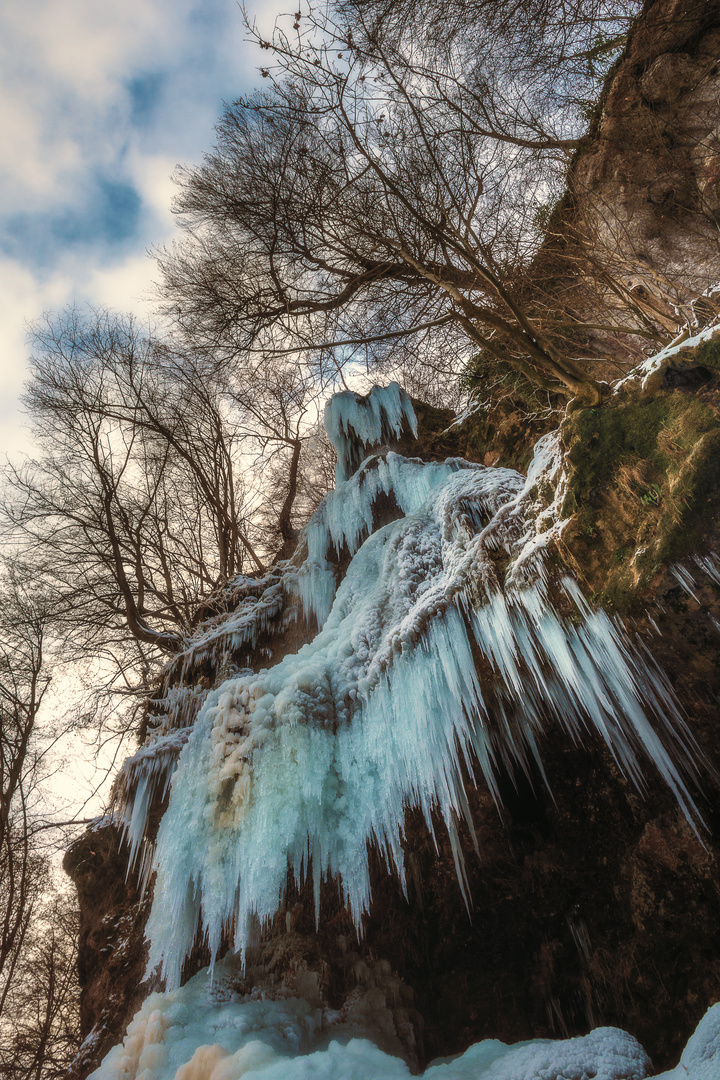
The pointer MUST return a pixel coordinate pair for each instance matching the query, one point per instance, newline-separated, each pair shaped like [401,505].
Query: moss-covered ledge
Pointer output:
[643,477]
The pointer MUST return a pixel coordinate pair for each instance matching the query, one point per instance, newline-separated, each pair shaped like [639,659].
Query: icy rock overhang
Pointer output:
[358,424]
[301,768]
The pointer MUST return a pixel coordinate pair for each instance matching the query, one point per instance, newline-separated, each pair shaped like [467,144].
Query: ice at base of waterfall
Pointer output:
[205,1032]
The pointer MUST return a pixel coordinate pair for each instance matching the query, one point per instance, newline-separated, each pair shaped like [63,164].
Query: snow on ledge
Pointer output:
[700,1059]
[640,376]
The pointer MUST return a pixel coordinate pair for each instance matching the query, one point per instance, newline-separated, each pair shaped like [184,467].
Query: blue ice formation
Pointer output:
[206,1032]
[302,767]
[356,424]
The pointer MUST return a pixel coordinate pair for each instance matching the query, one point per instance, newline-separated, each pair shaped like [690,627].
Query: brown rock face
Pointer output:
[646,185]
[112,953]
[594,905]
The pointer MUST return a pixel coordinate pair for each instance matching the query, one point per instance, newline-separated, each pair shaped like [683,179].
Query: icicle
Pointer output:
[355,424]
[306,764]
[685,579]
[256,612]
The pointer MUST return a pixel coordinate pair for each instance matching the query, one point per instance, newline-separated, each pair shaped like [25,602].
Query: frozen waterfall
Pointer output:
[302,766]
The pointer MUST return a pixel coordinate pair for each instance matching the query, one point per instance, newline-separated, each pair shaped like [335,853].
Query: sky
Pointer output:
[99,102]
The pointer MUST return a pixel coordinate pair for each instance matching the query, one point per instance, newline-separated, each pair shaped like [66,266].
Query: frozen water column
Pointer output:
[357,425]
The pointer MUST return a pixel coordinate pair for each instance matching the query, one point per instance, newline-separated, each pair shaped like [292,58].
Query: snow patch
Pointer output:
[640,375]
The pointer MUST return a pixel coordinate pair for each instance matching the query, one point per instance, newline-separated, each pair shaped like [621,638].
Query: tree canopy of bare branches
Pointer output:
[140,490]
[382,195]
[23,683]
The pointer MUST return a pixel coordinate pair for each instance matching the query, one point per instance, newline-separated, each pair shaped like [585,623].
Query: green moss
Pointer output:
[707,354]
[644,486]
[601,439]
[694,510]
[502,434]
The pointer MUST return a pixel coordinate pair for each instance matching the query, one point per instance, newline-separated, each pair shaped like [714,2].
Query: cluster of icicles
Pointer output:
[303,766]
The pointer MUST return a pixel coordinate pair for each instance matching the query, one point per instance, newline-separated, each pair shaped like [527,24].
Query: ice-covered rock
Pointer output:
[206,1032]
[356,424]
[650,374]
[700,1059]
[449,647]
[303,766]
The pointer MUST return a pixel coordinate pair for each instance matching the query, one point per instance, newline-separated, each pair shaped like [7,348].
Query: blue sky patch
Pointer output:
[108,217]
[145,93]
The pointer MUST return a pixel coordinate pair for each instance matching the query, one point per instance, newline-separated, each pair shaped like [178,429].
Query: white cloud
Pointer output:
[22,299]
[81,42]
[152,177]
[65,74]
[62,99]
[124,286]
[67,127]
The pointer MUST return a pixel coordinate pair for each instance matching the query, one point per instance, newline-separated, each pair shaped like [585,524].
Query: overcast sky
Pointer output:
[99,101]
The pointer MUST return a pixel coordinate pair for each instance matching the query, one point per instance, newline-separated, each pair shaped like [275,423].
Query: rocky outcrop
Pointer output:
[589,906]
[634,241]
[648,183]
[112,953]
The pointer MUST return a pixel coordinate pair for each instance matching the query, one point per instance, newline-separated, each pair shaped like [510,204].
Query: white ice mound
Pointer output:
[303,766]
[208,1033]
[605,1054]
[701,1057]
[355,423]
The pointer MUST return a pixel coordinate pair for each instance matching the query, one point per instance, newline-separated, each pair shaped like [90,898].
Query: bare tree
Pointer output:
[270,404]
[381,199]
[527,72]
[38,979]
[315,477]
[40,1025]
[137,489]
[23,683]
